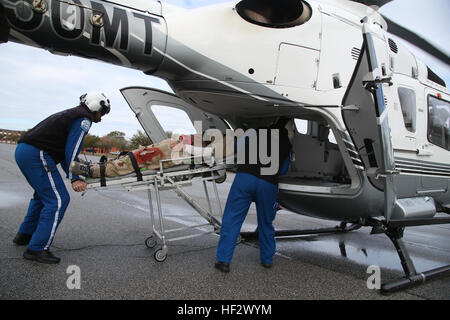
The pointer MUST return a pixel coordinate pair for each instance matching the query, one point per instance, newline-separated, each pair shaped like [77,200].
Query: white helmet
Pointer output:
[96,102]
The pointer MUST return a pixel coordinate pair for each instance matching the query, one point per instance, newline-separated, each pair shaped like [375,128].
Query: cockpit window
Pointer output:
[275,14]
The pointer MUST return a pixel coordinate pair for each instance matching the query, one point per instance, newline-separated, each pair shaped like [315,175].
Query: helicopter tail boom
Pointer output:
[108,31]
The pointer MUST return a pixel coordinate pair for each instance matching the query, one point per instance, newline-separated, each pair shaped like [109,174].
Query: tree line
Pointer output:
[114,139]
[117,140]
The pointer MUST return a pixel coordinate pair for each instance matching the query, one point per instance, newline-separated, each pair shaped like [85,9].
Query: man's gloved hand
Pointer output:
[79,185]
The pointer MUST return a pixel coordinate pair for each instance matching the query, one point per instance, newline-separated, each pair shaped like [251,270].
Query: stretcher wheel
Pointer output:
[160,256]
[150,242]
[221,179]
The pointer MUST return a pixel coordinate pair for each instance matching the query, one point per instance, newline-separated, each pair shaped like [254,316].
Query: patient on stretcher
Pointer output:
[175,151]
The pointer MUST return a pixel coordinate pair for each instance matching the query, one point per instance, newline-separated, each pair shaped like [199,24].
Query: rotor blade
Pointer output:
[416,40]
[378,3]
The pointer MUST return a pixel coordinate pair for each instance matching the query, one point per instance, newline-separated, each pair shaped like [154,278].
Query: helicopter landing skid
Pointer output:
[394,230]
[342,228]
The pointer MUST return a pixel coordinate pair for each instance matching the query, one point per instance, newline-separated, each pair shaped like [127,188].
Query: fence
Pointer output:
[101,150]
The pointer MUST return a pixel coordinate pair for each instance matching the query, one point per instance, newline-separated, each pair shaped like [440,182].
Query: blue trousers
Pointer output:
[50,199]
[245,189]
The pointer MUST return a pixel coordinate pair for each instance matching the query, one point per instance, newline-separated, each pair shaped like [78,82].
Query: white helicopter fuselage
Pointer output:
[304,72]
[220,63]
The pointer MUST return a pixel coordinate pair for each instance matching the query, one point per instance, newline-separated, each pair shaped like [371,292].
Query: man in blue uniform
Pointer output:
[251,185]
[56,140]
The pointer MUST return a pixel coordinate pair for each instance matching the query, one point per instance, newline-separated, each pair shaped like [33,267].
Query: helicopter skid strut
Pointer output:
[394,231]
[412,277]
[342,228]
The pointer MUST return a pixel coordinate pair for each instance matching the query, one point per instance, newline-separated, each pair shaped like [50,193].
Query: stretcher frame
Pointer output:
[170,179]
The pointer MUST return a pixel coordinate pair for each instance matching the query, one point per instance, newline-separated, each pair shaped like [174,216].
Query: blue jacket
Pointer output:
[79,128]
[61,135]
[283,153]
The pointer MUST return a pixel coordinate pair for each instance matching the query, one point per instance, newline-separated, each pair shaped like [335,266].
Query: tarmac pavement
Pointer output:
[101,240]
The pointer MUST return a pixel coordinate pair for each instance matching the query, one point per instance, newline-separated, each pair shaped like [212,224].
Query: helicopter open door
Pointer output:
[366,118]
[141,100]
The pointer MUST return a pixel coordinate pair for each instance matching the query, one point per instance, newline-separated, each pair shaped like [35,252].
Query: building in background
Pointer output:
[10,136]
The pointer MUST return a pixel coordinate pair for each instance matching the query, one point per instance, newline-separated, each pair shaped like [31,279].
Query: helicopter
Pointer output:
[331,63]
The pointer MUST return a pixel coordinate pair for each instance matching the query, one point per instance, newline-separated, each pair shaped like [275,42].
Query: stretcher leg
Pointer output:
[194,204]
[151,242]
[207,196]
[161,254]
[172,180]
[217,197]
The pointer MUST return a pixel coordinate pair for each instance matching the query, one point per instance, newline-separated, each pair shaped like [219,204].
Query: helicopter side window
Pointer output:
[408,104]
[439,122]
[301,126]
[173,120]
[275,14]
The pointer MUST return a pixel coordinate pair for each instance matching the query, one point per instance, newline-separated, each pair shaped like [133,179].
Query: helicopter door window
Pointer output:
[408,104]
[439,122]
[173,120]
[301,126]
[275,14]
[331,137]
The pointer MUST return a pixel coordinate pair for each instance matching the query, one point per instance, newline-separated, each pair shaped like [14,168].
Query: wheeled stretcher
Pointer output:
[173,178]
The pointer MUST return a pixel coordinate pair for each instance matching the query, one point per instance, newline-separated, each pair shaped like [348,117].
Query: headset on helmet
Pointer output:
[96,102]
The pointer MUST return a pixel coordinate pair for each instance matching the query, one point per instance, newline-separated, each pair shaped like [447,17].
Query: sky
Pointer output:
[35,83]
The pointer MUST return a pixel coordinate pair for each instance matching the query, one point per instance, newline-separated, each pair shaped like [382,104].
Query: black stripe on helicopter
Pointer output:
[23,16]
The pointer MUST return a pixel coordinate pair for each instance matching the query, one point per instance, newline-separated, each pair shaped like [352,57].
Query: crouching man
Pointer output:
[55,140]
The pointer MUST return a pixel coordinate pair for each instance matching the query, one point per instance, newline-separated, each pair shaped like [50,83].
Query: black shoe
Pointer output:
[266,265]
[22,239]
[43,256]
[222,266]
